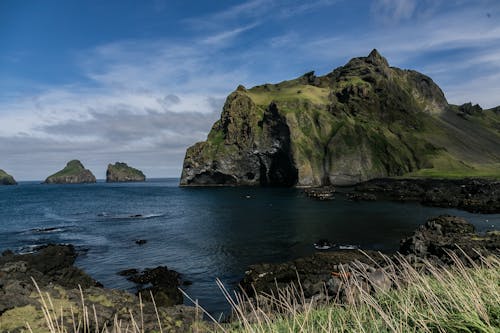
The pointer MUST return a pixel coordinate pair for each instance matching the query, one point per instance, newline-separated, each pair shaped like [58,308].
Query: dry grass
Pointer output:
[452,299]
[428,299]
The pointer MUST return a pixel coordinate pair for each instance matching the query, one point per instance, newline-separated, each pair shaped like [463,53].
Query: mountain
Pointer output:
[121,172]
[73,173]
[362,121]
[6,179]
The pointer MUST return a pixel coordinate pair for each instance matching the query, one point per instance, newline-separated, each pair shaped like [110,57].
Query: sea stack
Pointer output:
[121,172]
[6,179]
[73,173]
[363,120]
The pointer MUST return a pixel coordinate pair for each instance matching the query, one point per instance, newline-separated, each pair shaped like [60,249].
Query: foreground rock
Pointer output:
[73,173]
[473,195]
[121,172]
[438,236]
[52,268]
[162,282]
[326,276]
[364,120]
[6,179]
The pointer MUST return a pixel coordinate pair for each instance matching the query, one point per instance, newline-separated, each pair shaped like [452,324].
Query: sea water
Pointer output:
[203,233]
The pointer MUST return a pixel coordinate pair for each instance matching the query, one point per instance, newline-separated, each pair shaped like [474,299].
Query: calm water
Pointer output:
[203,233]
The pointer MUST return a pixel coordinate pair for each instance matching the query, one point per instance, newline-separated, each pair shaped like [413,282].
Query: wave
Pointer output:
[49,215]
[48,230]
[133,216]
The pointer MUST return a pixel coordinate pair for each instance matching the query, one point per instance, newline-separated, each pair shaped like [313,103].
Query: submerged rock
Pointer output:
[362,121]
[121,172]
[6,179]
[73,173]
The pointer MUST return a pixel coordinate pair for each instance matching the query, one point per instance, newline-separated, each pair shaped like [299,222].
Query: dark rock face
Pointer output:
[255,160]
[473,195]
[52,268]
[362,121]
[443,234]
[73,173]
[121,172]
[6,179]
[164,283]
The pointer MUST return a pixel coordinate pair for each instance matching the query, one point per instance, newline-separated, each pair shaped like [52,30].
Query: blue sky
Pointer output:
[140,81]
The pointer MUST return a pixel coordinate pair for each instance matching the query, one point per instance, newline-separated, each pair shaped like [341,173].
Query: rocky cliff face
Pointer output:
[73,173]
[121,172]
[364,120]
[6,179]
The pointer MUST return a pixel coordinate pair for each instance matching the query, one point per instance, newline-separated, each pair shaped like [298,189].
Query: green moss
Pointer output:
[72,168]
[100,299]
[264,95]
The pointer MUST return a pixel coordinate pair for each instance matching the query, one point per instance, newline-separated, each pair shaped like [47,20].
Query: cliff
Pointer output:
[362,121]
[121,172]
[6,179]
[73,173]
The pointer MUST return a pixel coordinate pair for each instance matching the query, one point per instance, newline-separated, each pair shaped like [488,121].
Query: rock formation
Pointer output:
[6,179]
[362,121]
[73,173]
[52,268]
[121,172]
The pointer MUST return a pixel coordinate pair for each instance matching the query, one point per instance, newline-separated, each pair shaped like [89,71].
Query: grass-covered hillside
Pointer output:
[363,120]
[73,173]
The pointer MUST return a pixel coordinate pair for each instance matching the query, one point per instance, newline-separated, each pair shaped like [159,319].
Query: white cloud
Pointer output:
[145,101]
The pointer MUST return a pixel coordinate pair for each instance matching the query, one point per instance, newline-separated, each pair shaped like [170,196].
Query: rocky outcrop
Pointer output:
[363,120]
[473,195]
[121,172]
[443,234]
[162,282]
[52,269]
[6,179]
[73,173]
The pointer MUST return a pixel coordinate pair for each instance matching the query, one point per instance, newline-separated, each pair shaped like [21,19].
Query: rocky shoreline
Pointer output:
[324,276]
[327,276]
[52,267]
[474,195]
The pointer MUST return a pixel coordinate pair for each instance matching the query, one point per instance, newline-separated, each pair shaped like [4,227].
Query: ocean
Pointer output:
[203,233]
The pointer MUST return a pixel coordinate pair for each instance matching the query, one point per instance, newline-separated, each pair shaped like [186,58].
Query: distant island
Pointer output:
[362,121]
[73,173]
[121,172]
[6,179]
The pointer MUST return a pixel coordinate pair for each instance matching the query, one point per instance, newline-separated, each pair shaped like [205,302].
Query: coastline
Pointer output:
[52,268]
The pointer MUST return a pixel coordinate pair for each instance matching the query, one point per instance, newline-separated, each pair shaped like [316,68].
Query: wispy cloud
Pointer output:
[147,100]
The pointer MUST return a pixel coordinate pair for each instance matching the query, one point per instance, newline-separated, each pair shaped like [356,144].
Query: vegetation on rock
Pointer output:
[121,172]
[364,120]
[73,173]
[6,179]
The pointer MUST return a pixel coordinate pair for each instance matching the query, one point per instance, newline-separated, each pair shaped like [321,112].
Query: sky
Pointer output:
[140,81]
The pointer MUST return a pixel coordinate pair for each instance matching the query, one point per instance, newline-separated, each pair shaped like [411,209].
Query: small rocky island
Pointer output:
[121,172]
[6,179]
[73,173]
